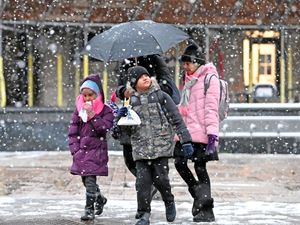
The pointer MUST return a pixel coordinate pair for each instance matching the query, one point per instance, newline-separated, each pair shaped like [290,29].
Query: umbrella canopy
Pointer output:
[133,39]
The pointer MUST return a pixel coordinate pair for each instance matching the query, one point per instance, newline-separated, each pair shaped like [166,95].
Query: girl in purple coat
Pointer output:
[89,125]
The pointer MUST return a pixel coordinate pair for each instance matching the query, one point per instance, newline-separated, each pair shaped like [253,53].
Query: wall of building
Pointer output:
[48,42]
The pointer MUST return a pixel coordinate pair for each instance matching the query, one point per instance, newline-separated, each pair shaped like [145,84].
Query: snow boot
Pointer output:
[203,203]
[89,207]
[201,196]
[144,220]
[205,214]
[195,193]
[170,211]
[88,215]
[138,215]
[100,202]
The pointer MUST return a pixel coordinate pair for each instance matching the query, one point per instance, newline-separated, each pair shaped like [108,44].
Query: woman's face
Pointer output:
[190,67]
[143,83]
[88,95]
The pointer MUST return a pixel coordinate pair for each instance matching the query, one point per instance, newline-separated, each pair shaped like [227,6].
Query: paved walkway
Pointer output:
[36,188]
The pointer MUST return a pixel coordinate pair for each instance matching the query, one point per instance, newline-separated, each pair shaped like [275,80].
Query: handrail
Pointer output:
[259,134]
[262,106]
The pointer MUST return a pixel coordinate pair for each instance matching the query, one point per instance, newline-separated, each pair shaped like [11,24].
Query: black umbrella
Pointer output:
[133,39]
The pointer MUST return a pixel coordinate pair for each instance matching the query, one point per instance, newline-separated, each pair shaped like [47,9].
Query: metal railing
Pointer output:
[262,120]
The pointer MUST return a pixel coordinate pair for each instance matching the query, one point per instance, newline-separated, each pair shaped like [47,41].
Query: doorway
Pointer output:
[263,66]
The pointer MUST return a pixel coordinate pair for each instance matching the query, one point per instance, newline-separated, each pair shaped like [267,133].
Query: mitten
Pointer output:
[188,150]
[122,111]
[211,145]
[89,109]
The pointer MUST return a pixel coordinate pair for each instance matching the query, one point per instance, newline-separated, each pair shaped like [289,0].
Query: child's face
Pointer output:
[190,67]
[143,83]
[88,95]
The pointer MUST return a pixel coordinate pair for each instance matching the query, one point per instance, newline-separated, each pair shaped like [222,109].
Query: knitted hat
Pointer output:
[90,85]
[135,73]
[194,54]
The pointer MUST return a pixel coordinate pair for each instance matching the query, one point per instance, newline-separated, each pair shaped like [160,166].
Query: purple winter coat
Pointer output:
[87,141]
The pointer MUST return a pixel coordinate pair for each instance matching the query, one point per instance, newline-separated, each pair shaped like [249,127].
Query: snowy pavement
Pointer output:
[36,188]
[122,212]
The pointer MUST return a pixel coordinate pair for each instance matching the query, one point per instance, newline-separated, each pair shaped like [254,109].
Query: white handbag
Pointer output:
[131,119]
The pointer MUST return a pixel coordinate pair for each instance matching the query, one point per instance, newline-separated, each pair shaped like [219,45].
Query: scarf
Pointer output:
[186,92]
[185,95]
[97,105]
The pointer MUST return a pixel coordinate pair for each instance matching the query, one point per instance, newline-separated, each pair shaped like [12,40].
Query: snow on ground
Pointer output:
[248,189]
[252,212]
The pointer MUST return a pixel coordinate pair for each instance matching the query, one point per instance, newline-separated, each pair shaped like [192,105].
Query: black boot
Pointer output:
[144,220]
[203,203]
[170,211]
[88,215]
[100,202]
[138,215]
[89,207]
[195,193]
[205,214]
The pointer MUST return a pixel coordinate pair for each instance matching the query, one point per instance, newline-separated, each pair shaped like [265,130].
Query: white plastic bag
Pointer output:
[83,113]
[132,119]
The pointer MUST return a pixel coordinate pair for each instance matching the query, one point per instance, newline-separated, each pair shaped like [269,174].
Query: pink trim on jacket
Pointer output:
[201,116]
[97,104]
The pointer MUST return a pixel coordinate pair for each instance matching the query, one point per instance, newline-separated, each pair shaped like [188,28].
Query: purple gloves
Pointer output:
[187,150]
[211,145]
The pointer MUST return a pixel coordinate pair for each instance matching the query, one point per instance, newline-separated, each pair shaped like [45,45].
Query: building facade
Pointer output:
[251,42]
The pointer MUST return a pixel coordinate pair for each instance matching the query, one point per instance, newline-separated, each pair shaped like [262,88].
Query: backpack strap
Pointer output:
[160,97]
[207,83]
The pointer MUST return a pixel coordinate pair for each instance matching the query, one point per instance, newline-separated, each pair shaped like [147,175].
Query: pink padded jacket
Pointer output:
[201,115]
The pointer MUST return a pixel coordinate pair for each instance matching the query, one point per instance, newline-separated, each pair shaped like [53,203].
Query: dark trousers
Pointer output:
[129,162]
[90,184]
[150,172]
[92,190]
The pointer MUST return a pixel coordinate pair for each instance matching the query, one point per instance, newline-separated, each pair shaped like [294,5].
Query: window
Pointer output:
[265,64]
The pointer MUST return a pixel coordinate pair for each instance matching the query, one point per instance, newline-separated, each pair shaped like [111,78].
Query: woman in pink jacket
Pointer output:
[200,114]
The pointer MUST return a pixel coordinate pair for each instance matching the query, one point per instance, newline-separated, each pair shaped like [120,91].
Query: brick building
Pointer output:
[250,41]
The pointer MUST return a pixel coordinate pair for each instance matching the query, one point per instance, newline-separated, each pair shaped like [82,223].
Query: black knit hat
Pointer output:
[135,73]
[194,54]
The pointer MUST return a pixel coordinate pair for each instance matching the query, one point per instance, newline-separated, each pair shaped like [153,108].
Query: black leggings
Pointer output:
[182,168]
